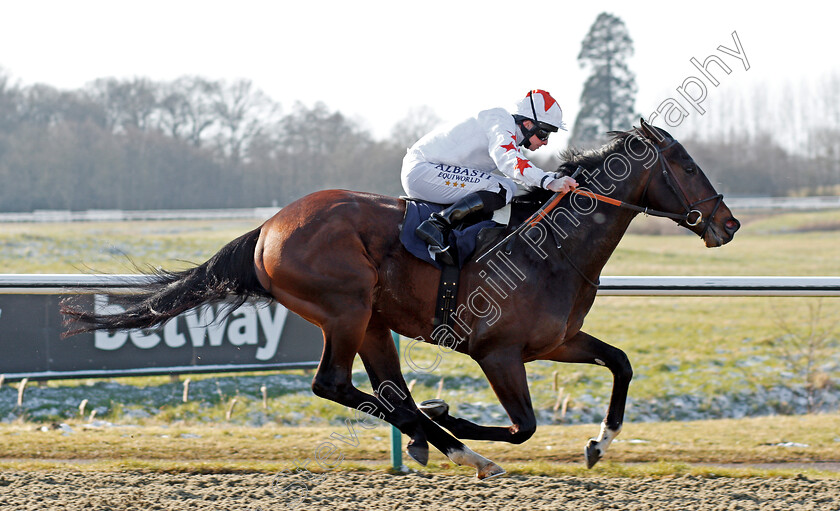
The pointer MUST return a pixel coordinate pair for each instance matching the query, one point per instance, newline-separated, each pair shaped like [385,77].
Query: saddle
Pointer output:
[466,238]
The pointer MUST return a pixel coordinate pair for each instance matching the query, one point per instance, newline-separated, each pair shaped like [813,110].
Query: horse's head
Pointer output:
[677,185]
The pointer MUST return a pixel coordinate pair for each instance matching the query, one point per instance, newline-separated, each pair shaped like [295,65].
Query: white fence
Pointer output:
[116,215]
[720,286]
[783,203]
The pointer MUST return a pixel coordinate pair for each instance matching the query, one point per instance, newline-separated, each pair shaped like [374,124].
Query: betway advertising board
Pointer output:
[252,337]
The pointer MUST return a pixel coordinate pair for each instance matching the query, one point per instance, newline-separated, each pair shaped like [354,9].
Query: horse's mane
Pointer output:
[574,157]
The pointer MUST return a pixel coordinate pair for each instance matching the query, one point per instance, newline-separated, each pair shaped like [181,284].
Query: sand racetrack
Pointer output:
[76,490]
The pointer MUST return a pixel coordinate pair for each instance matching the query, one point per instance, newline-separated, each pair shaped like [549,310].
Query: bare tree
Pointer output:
[44,104]
[417,122]
[187,108]
[128,104]
[242,113]
[9,102]
[824,135]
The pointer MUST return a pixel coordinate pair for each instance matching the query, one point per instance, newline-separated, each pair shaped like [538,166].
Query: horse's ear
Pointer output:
[651,132]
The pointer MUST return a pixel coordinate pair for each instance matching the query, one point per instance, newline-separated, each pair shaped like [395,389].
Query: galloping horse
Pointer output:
[334,257]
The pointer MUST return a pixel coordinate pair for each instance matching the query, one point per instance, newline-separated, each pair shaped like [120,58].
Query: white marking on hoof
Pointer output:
[484,468]
[597,447]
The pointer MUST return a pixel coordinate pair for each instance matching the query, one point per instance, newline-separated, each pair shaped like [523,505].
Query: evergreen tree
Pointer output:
[609,94]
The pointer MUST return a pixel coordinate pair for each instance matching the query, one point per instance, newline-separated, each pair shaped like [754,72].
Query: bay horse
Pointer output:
[334,257]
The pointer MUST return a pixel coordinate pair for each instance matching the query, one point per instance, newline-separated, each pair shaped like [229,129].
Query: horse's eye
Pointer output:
[690,168]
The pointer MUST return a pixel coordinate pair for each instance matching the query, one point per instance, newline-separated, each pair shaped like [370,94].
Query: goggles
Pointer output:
[543,130]
[542,134]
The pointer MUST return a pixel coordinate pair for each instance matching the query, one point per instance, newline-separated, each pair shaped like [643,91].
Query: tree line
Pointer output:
[199,143]
[188,143]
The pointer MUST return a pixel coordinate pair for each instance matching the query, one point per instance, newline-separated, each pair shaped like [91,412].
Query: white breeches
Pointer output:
[445,184]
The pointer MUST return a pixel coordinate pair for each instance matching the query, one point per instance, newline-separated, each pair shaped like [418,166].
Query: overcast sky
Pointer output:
[374,61]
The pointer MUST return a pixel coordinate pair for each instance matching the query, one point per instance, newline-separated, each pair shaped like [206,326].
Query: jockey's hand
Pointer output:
[563,184]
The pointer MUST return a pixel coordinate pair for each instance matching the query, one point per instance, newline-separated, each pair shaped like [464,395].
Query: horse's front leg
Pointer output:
[585,349]
[506,373]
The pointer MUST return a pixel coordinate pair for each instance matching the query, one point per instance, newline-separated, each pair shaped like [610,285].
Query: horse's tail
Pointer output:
[228,273]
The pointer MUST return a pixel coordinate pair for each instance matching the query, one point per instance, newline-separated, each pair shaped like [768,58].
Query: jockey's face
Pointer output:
[534,142]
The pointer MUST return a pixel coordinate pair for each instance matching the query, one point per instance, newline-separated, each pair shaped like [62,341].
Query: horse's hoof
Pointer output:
[434,408]
[418,451]
[489,470]
[592,453]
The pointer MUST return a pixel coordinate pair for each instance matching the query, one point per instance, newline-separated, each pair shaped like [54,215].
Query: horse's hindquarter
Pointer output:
[322,253]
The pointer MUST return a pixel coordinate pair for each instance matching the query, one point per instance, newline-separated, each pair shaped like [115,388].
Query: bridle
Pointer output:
[674,185]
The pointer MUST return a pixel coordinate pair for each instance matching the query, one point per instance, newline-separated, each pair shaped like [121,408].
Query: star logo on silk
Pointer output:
[463,185]
[447,183]
[522,164]
[509,147]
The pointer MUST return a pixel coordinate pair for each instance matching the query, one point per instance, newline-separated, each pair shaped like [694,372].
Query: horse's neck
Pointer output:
[591,237]
[593,241]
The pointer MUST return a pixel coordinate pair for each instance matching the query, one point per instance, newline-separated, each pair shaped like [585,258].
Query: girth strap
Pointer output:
[447,298]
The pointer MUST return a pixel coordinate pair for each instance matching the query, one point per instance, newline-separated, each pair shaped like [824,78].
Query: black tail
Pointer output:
[228,273]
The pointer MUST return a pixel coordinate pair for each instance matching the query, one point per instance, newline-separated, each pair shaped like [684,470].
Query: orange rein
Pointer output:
[542,213]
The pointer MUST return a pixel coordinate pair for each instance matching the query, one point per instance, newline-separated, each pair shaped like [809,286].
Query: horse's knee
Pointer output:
[620,366]
[522,432]
[625,371]
[326,388]
[321,389]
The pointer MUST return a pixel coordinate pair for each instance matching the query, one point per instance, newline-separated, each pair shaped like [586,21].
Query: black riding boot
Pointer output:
[435,230]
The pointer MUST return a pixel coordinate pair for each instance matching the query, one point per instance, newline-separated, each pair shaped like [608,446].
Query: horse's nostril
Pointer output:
[732,225]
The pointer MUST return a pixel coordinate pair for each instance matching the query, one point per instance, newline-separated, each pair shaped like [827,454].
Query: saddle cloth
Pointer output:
[464,237]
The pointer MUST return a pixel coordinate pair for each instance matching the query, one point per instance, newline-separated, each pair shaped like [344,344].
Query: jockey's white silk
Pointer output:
[474,148]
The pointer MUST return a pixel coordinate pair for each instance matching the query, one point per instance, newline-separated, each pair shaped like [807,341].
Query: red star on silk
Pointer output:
[509,147]
[522,164]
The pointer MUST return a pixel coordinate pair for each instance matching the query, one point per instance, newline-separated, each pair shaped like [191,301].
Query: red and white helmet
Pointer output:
[540,107]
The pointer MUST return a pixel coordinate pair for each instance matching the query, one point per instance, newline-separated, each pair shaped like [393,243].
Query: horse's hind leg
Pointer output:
[383,367]
[343,338]
[585,349]
[381,362]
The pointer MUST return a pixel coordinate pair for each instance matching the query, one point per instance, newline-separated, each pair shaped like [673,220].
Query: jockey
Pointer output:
[474,165]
